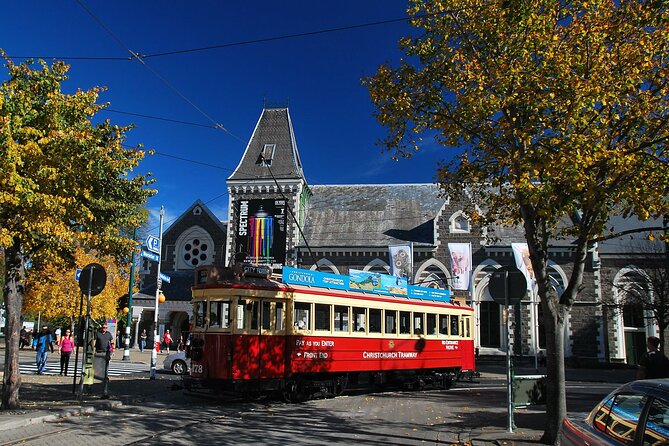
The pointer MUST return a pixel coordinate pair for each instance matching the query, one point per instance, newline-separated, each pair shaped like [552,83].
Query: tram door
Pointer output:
[261,344]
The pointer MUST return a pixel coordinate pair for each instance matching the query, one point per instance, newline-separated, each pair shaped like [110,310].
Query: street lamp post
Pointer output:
[154,352]
[128,325]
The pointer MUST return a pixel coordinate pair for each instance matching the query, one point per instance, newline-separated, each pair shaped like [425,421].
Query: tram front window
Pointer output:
[266,315]
[199,311]
[278,313]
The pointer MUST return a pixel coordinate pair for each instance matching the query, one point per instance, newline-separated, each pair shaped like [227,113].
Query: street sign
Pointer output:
[95,276]
[150,255]
[153,244]
[165,278]
[513,288]
[77,275]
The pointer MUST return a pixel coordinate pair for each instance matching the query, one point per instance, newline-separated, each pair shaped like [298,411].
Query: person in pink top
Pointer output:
[65,347]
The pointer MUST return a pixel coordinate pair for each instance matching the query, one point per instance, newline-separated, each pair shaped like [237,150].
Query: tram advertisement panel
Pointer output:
[261,231]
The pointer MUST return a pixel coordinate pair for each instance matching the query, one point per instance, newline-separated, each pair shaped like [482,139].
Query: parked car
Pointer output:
[636,413]
[177,363]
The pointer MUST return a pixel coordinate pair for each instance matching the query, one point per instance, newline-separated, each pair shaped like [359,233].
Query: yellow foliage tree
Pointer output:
[54,292]
[66,182]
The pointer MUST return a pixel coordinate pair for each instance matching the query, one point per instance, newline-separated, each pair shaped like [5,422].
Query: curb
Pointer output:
[13,422]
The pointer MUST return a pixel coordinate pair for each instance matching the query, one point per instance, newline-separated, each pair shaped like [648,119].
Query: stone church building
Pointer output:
[276,217]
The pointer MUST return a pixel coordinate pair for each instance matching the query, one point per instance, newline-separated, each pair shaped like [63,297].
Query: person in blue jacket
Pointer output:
[43,343]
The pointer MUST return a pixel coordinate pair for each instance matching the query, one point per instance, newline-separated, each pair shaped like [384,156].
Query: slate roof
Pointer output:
[372,215]
[273,127]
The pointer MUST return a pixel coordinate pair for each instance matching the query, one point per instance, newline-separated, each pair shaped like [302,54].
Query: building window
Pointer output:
[195,252]
[459,223]
[266,155]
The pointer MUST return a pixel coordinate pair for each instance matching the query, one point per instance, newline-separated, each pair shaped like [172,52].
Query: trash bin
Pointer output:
[527,390]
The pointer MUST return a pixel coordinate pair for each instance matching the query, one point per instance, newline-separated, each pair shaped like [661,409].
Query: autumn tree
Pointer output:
[53,291]
[65,183]
[559,112]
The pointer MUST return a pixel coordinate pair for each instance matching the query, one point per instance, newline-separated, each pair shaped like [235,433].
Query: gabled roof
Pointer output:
[187,212]
[273,127]
[372,215]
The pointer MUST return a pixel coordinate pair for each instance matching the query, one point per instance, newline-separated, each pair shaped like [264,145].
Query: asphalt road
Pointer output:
[160,412]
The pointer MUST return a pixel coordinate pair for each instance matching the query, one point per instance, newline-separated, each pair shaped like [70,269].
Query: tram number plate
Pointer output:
[197,368]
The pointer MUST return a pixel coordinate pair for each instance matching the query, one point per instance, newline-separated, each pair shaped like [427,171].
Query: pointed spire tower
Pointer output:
[266,189]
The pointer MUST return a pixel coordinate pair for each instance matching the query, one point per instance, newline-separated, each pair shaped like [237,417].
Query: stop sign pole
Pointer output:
[507,287]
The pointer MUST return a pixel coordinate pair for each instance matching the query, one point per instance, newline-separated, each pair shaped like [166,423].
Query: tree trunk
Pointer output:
[556,397]
[13,292]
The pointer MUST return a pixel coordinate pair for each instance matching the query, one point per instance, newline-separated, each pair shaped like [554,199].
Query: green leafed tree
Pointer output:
[560,112]
[65,183]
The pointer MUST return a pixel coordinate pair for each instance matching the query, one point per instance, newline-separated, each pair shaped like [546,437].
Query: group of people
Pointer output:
[43,343]
[166,343]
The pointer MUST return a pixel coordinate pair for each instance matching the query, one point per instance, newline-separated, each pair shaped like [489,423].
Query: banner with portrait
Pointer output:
[401,260]
[461,265]
[521,255]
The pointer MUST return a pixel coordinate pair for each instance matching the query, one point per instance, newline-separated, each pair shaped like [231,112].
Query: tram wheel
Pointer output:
[339,385]
[296,392]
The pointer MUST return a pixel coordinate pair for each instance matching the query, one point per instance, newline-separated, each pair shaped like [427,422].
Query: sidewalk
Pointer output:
[46,398]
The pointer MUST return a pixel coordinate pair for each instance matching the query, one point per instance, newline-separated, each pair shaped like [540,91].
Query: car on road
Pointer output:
[636,413]
[177,363]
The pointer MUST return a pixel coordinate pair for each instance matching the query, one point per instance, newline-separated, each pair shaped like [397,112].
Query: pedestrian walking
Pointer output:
[42,344]
[653,363]
[23,338]
[65,347]
[104,341]
[167,340]
[142,340]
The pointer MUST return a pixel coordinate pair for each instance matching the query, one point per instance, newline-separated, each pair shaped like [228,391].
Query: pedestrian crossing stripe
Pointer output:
[115,368]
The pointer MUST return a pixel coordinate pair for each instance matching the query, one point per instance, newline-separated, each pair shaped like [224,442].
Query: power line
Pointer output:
[141,56]
[177,121]
[282,37]
[137,57]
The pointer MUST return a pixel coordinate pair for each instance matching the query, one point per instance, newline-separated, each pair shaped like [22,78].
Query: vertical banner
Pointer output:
[461,265]
[261,231]
[521,254]
[401,260]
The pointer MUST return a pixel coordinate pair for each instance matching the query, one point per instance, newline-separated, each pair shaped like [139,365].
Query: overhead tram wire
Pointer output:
[139,58]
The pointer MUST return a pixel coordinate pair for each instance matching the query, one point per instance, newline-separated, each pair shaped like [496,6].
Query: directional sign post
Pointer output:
[149,255]
[165,278]
[153,244]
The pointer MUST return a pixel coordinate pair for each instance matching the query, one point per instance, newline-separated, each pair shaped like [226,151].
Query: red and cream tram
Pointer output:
[263,334]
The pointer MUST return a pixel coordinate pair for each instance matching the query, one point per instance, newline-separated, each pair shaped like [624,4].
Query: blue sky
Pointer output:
[317,75]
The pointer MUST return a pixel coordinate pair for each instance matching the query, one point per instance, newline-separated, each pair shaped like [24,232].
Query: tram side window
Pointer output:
[391,322]
[455,325]
[302,316]
[322,317]
[278,314]
[443,324]
[266,315]
[431,325]
[418,325]
[468,324]
[359,319]
[341,318]
[405,322]
[199,311]
[219,314]
[374,320]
